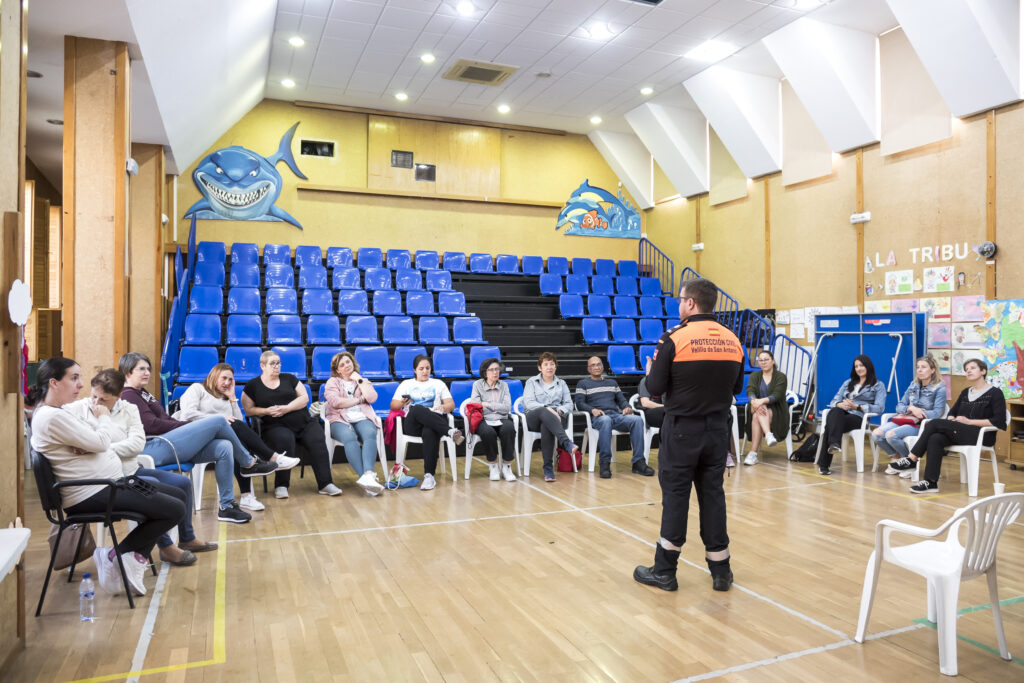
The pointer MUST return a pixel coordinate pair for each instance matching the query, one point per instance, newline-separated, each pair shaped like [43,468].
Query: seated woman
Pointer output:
[77,450]
[548,405]
[127,439]
[766,395]
[860,394]
[170,441]
[925,399]
[979,405]
[216,396]
[280,400]
[349,399]
[426,402]
[652,407]
[493,394]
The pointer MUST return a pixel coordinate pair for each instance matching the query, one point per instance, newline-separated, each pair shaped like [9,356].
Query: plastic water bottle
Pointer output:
[87,598]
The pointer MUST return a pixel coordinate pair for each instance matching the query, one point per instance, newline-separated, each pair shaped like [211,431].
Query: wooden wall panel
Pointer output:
[734,253]
[145,255]
[385,134]
[672,226]
[1010,202]
[468,160]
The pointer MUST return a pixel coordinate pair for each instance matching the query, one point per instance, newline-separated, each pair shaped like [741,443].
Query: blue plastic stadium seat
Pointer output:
[369,257]
[399,259]
[550,284]
[407,279]
[398,329]
[439,280]
[533,265]
[629,269]
[515,389]
[450,361]
[245,360]
[243,300]
[377,278]
[244,275]
[645,351]
[624,331]
[467,330]
[559,265]
[451,303]
[625,306]
[570,305]
[352,302]
[577,284]
[323,329]
[244,252]
[650,307]
[622,361]
[478,354]
[404,356]
[602,284]
[604,266]
[178,391]
[211,252]
[322,356]
[385,392]
[582,266]
[650,286]
[194,362]
[626,285]
[308,255]
[373,362]
[361,329]
[481,263]
[461,389]
[209,274]
[599,306]
[651,329]
[387,302]
[454,261]
[671,308]
[317,302]
[595,331]
[284,329]
[293,360]
[202,329]
[278,275]
[244,329]
[434,330]
[281,300]
[312,277]
[339,257]
[277,253]
[419,303]
[345,278]
[427,260]
[206,300]
[507,264]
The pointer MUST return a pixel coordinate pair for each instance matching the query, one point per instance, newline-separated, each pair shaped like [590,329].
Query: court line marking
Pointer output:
[139,659]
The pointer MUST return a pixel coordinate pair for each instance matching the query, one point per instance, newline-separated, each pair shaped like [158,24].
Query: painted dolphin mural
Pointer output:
[240,185]
[596,212]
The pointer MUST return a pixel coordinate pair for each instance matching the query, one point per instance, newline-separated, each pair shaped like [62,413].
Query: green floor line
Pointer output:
[979,608]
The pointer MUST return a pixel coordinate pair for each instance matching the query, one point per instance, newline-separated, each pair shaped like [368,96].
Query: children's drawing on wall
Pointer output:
[883,306]
[961,356]
[938,334]
[238,184]
[944,358]
[906,305]
[598,213]
[936,306]
[918,285]
[899,282]
[968,335]
[968,308]
[869,267]
[961,279]
[1004,345]
[938,279]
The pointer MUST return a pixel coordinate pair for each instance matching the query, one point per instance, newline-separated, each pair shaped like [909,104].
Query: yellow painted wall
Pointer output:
[672,226]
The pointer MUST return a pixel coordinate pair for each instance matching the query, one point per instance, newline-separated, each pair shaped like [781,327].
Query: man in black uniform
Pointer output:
[697,368]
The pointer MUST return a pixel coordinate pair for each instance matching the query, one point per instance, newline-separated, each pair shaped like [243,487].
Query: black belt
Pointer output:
[706,420]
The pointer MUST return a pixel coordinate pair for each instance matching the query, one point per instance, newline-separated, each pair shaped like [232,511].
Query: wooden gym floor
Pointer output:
[481,580]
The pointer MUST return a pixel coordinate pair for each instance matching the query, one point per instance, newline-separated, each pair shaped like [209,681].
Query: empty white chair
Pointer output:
[529,437]
[402,441]
[970,459]
[332,444]
[472,440]
[945,564]
[857,436]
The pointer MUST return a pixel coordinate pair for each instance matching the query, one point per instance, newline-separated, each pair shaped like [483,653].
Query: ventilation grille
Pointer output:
[483,73]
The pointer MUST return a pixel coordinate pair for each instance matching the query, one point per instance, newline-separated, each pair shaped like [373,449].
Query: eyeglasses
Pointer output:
[686,298]
[595,365]
[274,363]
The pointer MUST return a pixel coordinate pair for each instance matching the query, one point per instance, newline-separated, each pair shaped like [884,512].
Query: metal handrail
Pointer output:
[654,263]
[794,361]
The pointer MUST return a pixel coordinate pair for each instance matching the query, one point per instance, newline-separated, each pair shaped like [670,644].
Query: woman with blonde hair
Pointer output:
[925,399]
[349,398]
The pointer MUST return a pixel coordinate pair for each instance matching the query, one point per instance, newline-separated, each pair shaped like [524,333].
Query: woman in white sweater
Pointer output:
[216,396]
[76,451]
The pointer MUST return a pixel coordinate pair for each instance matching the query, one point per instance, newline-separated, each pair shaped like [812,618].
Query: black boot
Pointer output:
[666,581]
[721,574]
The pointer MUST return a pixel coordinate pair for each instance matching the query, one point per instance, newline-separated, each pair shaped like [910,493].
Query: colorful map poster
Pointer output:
[1003,330]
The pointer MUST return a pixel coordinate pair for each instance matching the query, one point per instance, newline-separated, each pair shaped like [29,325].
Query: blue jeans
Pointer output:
[362,458]
[634,424]
[210,439]
[185,531]
[894,445]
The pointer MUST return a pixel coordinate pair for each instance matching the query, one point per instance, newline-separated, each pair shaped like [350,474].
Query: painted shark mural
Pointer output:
[598,213]
[238,184]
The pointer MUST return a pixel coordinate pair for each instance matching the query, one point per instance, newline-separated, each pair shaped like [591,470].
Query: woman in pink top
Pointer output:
[349,399]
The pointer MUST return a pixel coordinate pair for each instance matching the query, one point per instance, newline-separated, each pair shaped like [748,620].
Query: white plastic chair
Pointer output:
[970,459]
[529,437]
[472,440]
[909,440]
[735,431]
[402,441]
[945,564]
[791,402]
[857,436]
[649,431]
[332,443]
[590,436]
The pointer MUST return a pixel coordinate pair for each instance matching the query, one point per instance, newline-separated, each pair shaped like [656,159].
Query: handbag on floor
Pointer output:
[65,555]
[565,461]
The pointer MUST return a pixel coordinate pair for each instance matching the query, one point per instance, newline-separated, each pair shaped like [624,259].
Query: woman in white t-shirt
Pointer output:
[349,399]
[426,402]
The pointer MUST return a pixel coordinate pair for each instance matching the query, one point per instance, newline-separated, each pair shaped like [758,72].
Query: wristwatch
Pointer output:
[360,381]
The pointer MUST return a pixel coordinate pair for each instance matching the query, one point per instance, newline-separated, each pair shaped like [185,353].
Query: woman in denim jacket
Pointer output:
[860,394]
[925,400]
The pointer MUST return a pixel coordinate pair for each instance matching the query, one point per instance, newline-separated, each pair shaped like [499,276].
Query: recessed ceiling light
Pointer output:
[504,108]
[465,8]
[288,83]
[55,122]
[599,31]
[647,90]
[595,120]
[33,74]
[296,41]
[427,58]
[803,5]
[711,51]
[543,74]
[401,96]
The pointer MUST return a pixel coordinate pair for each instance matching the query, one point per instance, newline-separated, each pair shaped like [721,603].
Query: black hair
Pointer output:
[704,293]
[487,363]
[869,379]
[422,357]
[51,368]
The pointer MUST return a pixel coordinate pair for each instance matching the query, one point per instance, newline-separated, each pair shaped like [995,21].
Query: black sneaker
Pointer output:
[721,582]
[641,467]
[233,514]
[606,470]
[903,464]
[824,471]
[259,468]
[646,575]
[925,486]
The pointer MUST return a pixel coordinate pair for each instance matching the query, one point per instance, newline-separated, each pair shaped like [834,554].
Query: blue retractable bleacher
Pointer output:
[404,356]
[377,278]
[245,275]
[650,307]
[398,329]
[439,280]
[408,279]
[202,329]
[622,361]
[604,266]
[558,265]
[245,360]
[244,329]
[624,331]
[317,302]
[209,274]
[211,252]
[625,306]
[284,329]
[206,300]
[461,390]
[550,284]
[398,259]
[369,257]
[427,260]
[419,303]
[385,392]
[277,253]
[481,263]
[515,389]
[293,360]
[671,308]
[178,392]
[651,329]
[454,261]
[322,356]
[387,302]
[308,255]
[507,264]
[244,253]
[339,257]
[323,329]
[312,277]
[629,268]
[577,284]
[361,329]
[478,354]
[451,303]
[281,300]
[626,285]
[582,266]
[570,305]
[602,284]
[278,275]
[645,351]
[352,302]
[434,330]
[373,362]
[194,363]
[467,330]
[595,330]
[650,286]
[450,361]
[346,277]
[599,306]
[533,265]
[244,300]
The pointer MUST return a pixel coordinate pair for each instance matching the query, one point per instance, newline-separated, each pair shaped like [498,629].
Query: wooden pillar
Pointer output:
[990,198]
[96,145]
[767,243]
[860,229]
[145,245]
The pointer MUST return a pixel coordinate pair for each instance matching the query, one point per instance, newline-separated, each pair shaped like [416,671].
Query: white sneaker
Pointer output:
[368,482]
[107,572]
[248,502]
[495,471]
[770,440]
[729,462]
[135,569]
[751,458]
[283,461]
[428,482]
[330,490]
[891,470]
[907,474]
[281,492]
[506,471]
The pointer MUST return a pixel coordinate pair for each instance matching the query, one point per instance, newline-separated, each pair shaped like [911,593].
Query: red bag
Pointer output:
[905,421]
[565,460]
